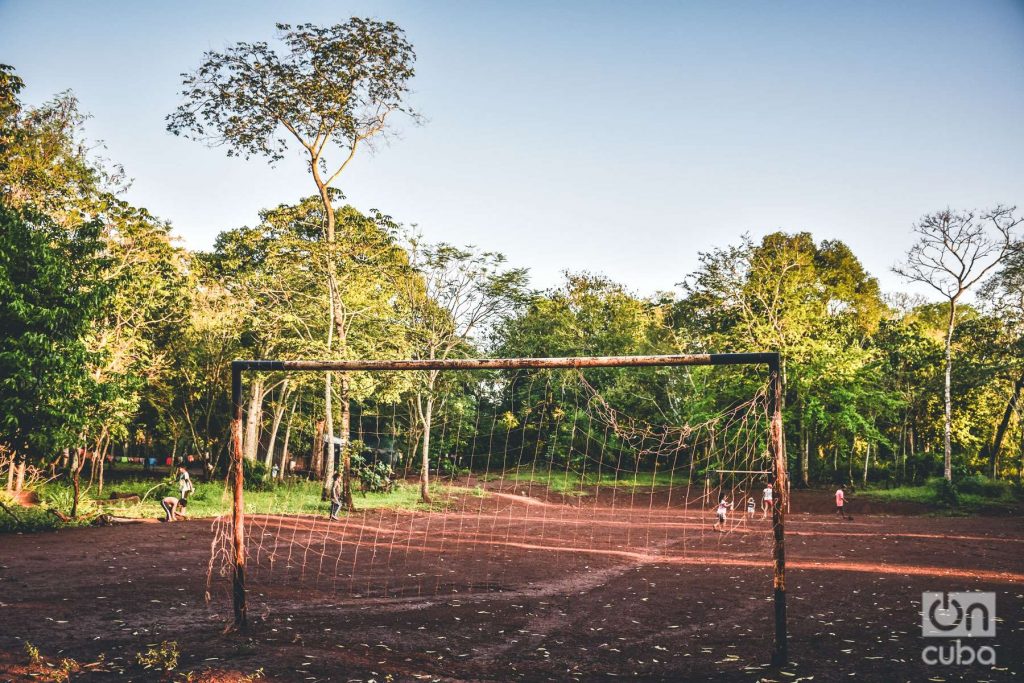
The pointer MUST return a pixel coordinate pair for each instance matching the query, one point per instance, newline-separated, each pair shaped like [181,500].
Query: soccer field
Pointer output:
[512,586]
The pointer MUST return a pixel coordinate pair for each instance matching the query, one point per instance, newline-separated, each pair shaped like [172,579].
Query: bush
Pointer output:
[446,467]
[946,492]
[980,485]
[255,473]
[61,497]
[377,477]
[29,520]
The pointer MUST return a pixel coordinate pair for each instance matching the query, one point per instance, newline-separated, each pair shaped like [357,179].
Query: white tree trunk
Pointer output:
[253,421]
[867,459]
[287,436]
[428,412]
[279,409]
[947,427]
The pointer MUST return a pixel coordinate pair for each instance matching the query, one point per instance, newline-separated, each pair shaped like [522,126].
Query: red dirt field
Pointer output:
[511,587]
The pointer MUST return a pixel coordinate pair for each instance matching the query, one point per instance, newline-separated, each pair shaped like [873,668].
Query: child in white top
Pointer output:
[723,507]
[767,500]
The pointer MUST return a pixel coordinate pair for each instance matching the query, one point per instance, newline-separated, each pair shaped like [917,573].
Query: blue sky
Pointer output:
[620,138]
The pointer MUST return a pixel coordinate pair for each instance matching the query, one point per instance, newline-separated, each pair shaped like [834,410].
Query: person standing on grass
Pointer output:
[174,508]
[335,495]
[184,482]
[767,500]
[840,501]
[723,508]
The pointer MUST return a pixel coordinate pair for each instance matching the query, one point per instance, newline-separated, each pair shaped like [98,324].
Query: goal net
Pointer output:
[554,478]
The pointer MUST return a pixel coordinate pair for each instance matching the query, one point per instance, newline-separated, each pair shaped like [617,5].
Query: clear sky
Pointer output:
[620,138]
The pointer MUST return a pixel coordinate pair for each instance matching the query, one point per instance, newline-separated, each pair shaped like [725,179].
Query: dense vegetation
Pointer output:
[116,341]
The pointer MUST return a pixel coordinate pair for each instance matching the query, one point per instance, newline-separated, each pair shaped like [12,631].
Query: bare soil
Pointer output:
[525,585]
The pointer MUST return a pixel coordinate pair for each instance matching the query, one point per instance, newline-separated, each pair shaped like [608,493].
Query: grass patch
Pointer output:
[970,494]
[211,499]
[572,483]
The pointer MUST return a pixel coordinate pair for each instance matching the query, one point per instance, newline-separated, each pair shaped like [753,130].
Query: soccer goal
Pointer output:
[540,466]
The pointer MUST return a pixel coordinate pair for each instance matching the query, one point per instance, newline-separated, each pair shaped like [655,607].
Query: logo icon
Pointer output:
[958,614]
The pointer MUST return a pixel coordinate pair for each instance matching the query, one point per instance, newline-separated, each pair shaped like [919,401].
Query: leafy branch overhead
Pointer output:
[335,85]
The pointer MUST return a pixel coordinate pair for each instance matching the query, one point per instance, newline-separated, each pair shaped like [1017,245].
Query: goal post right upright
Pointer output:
[780,484]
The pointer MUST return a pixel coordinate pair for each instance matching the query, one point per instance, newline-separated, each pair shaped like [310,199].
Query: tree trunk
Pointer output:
[805,458]
[346,452]
[867,459]
[78,462]
[329,464]
[279,409]
[287,437]
[425,467]
[10,472]
[253,421]
[1011,407]
[19,478]
[316,457]
[947,427]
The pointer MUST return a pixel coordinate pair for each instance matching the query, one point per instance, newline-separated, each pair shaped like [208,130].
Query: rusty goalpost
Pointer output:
[776,444]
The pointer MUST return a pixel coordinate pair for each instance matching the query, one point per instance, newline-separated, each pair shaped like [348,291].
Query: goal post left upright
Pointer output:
[238,499]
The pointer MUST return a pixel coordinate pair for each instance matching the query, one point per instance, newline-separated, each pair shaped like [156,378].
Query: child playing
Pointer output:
[751,504]
[335,496]
[174,507]
[840,501]
[184,482]
[723,507]
[767,499]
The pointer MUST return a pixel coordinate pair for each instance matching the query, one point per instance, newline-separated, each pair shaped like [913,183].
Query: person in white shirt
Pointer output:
[723,507]
[184,482]
[751,506]
[767,500]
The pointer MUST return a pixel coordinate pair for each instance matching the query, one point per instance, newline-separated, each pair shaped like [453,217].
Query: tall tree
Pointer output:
[458,296]
[954,251]
[1004,293]
[48,298]
[333,89]
[805,300]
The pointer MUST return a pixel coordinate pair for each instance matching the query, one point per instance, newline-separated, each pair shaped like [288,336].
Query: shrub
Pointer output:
[61,497]
[29,520]
[255,474]
[946,492]
[376,477]
[980,485]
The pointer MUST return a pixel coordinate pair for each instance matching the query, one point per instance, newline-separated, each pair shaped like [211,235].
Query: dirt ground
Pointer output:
[516,585]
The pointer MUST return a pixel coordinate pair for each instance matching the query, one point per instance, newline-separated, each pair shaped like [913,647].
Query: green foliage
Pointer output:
[48,298]
[980,485]
[946,493]
[256,476]
[114,338]
[373,477]
[332,85]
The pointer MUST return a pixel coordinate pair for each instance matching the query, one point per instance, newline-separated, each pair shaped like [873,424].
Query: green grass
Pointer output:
[212,499]
[972,494]
[576,484]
